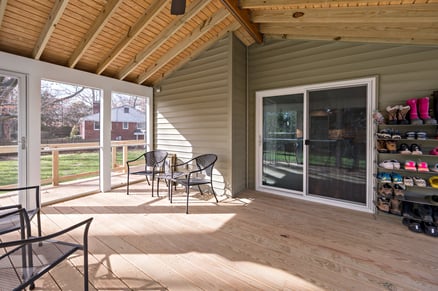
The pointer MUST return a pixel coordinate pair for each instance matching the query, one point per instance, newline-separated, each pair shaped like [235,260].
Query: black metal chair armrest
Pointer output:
[38,256]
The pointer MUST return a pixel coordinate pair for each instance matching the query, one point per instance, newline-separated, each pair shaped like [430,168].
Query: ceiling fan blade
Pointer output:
[178,7]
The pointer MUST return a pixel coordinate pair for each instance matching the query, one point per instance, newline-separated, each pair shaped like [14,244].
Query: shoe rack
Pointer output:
[407,168]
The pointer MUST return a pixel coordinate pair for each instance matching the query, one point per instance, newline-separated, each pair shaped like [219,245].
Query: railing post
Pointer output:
[125,158]
[114,157]
[55,167]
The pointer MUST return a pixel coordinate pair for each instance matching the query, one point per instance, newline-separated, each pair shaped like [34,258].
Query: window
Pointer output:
[125,125]
[126,109]
[96,125]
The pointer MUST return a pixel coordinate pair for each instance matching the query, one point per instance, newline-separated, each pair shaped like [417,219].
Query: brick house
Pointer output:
[127,123]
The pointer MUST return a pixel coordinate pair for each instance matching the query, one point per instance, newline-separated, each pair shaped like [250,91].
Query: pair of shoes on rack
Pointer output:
[386,146]
[419,111]
[420,135]
[412,166]
[390,164]
[413,149]
[397,114]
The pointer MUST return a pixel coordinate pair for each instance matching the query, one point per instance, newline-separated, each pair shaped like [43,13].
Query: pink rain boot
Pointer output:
[423,110]
[413,113]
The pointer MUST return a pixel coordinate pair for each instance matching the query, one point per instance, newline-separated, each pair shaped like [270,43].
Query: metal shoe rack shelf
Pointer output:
[413,195]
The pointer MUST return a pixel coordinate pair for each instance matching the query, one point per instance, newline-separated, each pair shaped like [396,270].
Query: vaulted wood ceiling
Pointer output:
[140,41]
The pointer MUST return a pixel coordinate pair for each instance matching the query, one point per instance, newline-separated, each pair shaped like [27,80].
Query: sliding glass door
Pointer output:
[282,157]
[314,142]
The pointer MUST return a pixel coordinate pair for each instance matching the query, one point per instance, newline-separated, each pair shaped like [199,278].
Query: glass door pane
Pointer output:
[282,142]
[337,143]
[10,132]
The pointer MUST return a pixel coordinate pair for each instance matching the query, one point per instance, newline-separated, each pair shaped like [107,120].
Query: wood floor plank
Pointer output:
[254,242]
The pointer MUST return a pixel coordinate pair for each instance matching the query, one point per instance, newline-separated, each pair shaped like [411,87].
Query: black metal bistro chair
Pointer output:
[25,260]
[152,165]
[200,174]
[10,196]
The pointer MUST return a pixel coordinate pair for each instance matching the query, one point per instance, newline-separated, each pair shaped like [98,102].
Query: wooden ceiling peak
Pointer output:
[140,41]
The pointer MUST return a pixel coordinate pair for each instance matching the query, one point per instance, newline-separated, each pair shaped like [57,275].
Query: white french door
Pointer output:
[314,142]
[13,145]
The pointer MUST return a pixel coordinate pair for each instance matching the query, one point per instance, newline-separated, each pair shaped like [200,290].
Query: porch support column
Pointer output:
[105,141]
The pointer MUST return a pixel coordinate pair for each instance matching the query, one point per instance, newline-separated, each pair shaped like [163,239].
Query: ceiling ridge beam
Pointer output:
[423,13]
[243,17]
[173,27]
[54,16]
[94,31]
[196,33]
[231,27]
[138,27]
[283,4]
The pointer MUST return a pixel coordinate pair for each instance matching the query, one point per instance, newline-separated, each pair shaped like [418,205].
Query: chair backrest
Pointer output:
[155,158]
[206,163]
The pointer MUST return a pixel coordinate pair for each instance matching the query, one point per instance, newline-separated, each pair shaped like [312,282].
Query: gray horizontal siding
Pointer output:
[403,71]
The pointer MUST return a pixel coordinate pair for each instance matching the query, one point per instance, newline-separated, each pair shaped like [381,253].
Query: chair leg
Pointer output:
[127,185]
[153,187]
[214,193]
[187,206]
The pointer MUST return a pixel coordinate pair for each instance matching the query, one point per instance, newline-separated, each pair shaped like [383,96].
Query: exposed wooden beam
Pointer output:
[233,26]
[171,29]
[94,31]
[243,17]
[55,15]
[196,33]
[284,4]
[3,4]
[414,13]
[422,33]
[156,7]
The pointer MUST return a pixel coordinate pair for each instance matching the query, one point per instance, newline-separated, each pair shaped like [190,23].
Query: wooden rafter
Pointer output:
[55,15]
[156,7]
[200,49]
[94,31]
[3,4]
[172,28]
[197,33]
[243,17]
[282,4]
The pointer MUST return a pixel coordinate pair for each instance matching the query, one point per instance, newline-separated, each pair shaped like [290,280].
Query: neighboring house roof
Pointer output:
[118,115]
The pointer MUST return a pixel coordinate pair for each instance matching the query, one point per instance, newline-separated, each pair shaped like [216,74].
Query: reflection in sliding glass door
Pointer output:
[282,157]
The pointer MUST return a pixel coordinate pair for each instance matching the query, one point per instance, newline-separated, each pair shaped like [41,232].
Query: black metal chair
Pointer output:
[27,259]
[200,174]
[153,164]
[12,223]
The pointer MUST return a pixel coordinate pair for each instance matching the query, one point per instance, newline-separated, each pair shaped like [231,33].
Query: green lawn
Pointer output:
[69,164]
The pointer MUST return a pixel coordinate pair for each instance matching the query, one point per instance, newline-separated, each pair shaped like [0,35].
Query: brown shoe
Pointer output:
[395,207]
[391,146]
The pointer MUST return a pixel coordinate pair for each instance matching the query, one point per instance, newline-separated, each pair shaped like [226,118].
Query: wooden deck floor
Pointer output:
[254,242]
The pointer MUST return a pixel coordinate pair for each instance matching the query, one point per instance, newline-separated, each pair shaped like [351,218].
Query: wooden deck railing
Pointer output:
[57,149]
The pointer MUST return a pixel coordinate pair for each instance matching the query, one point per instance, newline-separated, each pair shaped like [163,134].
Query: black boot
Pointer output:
[426,213]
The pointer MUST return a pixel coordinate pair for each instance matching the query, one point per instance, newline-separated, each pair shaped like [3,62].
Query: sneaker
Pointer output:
[390,164]
[396,178]
[410,166]
[384,177]
[395,206]
[434,168]
[421,135]
[410,135]
[384,134]
[420,182]
[408,181]
[423,167]
[404,149]
[383,205]
[415,149]
[430,229]
[434,152]
[415,226]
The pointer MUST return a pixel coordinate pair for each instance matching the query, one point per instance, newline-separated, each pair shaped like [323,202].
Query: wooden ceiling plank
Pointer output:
[233,26]
[415,13]
[171,29]
[243,17]
[55,15]
[3,4]
[197,33]
[94,31]
[156,7]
